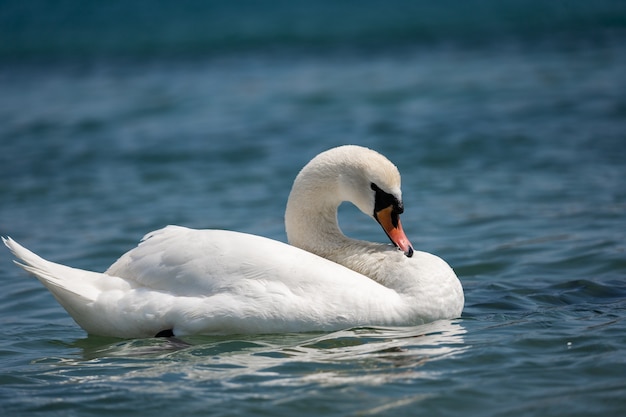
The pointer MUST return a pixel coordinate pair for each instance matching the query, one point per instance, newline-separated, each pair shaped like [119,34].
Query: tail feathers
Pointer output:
[66,283]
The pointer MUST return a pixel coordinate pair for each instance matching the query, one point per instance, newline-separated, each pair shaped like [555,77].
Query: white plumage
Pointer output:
[186,281]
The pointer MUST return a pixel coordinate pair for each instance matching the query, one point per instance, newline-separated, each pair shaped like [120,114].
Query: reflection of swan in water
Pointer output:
[180,281]
[434,340]
[283,368]
[399,347]
[364,356]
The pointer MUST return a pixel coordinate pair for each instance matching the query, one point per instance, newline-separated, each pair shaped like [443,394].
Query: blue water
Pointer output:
[507,120]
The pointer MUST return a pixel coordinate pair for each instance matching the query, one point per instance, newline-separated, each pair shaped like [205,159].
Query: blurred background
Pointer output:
[88,31]
[119,117]
[506,118]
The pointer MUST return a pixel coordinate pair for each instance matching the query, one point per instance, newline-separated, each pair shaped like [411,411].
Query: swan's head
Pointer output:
[372,183]
[355,174]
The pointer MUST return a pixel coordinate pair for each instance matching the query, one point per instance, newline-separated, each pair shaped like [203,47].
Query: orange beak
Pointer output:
[390,221]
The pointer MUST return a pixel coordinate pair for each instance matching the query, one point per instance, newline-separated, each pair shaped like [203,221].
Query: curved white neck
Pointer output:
[338,175]
[311,216]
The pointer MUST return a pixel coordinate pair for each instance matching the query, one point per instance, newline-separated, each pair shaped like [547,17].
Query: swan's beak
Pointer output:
[390,221]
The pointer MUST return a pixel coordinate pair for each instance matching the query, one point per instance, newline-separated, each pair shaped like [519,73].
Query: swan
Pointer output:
[180,281]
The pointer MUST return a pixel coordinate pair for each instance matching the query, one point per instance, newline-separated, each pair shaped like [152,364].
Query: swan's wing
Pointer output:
[188,262]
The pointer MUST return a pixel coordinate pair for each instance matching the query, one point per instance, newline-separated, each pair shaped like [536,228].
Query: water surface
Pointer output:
[510,139]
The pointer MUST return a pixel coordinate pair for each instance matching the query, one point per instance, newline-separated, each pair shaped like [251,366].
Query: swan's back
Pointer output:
[192,262]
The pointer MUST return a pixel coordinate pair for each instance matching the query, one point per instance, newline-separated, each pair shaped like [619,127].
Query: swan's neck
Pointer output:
[311,216]
[311,223]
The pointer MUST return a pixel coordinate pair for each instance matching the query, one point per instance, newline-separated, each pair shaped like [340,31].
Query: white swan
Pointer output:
[180,281]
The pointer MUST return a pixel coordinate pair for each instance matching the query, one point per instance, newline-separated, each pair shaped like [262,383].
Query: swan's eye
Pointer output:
[383,200]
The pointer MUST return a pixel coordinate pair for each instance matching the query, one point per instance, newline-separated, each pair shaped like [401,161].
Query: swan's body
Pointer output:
[181,281]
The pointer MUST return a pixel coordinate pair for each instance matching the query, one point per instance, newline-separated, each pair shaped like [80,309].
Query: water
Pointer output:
[511,139]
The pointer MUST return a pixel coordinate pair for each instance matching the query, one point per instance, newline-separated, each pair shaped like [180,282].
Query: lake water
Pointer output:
[506,119]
